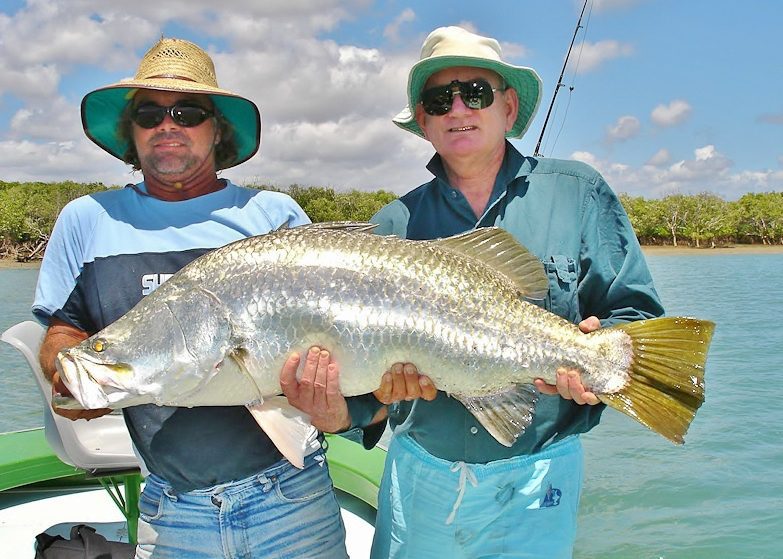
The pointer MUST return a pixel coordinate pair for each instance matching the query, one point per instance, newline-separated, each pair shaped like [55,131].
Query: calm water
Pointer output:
[718,496]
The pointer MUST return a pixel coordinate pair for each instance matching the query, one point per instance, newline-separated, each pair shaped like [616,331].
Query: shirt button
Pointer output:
[453,193]
[473,430]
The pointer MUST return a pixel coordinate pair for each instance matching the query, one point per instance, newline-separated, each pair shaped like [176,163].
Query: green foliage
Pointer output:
[646,218]
[709,219]
[28,212]
[760,217]
[324,204]
[706,219]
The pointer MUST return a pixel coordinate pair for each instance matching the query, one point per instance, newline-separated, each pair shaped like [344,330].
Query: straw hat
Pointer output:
[170,65]
[448,47]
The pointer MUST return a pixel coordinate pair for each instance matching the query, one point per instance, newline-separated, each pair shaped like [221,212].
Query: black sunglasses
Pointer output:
[185,114]
[476,94]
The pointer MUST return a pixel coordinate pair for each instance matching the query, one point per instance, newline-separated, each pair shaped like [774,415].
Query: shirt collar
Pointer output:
[513,162]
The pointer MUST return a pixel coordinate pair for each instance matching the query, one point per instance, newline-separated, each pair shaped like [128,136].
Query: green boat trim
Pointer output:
[27,461]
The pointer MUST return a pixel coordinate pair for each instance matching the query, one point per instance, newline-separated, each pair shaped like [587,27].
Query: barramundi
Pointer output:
[462,309]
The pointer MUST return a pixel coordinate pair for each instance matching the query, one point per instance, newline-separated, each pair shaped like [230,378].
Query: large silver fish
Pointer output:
[218,331]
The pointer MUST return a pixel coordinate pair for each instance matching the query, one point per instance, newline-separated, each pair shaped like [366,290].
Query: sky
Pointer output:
[661,96]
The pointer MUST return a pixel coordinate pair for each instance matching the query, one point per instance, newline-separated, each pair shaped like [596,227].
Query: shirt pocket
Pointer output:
[562,299]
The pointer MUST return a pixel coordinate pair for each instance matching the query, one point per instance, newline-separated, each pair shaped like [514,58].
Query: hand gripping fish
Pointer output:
[219,330]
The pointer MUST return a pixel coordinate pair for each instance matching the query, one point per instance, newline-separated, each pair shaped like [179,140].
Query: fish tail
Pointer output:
[666,384]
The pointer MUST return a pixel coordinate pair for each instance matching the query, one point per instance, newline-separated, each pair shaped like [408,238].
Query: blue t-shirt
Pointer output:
[110,249]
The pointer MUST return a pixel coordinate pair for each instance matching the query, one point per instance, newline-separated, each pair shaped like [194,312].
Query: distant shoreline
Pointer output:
[8,264]
[667,250]
[733,249]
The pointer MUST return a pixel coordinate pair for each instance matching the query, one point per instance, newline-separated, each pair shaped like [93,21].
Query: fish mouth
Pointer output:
[90,381]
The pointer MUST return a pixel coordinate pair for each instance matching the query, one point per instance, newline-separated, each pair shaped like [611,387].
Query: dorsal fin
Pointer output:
[498,249]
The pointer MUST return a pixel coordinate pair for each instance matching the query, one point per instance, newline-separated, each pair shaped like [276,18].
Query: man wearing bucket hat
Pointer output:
[218,486]
[449,488]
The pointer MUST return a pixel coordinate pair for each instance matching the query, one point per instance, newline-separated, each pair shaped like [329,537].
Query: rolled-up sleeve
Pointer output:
[616,285]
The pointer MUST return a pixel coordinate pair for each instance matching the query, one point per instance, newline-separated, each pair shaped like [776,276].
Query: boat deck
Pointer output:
[39,493]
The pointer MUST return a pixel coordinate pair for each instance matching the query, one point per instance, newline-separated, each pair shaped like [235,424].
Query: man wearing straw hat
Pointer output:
[450,489]
[218,486]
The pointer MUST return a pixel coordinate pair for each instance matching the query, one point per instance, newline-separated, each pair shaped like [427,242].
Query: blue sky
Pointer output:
[669,96]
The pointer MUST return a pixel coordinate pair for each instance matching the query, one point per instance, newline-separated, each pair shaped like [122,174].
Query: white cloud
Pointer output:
[34,81]
[587,157]
[392,31]
[708,162]
[326,101]
[625,128]
[708,171]
[77,160]
[672,114]
[351,153]
[55,33]
[590,56]
[660,158]
[330,81]
[470,26]
[326,107]
[514,51]
[56,120]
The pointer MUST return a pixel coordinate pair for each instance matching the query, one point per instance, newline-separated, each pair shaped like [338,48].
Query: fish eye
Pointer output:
[99,345]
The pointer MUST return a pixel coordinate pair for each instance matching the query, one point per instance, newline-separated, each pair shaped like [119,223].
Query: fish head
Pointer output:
[93,376]
[149,355]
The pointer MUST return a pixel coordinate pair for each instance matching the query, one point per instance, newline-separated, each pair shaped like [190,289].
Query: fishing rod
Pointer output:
[559,81]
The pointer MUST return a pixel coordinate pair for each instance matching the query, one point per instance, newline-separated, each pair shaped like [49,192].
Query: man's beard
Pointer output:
[169,163]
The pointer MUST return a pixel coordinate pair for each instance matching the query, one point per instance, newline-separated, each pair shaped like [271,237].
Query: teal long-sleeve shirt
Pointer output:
[566,214]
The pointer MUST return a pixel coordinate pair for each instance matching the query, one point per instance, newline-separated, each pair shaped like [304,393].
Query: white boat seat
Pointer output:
[101,446]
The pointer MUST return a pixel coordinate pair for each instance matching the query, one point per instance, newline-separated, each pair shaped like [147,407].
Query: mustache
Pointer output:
[168,136]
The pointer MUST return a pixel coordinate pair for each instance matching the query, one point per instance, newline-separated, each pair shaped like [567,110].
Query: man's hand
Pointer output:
[403,382]
[317,392]
[569,383]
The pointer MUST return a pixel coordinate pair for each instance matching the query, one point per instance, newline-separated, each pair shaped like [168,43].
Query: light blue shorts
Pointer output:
[519,507]
[282,512]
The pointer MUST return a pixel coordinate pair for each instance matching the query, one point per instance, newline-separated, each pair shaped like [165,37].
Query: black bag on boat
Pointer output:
[84,544]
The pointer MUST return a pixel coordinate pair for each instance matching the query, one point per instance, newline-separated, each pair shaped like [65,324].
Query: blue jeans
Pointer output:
[282,512]
[523,507]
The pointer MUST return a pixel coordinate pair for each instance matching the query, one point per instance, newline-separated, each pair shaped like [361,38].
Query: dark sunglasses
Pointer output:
[184,114]
[476,94]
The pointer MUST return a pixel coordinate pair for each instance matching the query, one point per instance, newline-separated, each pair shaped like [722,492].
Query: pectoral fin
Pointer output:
[505,415]
[288,428]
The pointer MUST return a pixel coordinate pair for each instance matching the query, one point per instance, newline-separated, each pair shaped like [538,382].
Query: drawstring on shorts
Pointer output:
[465,474]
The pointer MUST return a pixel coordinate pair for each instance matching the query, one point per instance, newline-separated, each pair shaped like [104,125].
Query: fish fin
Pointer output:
[505,415]
[241,356]
[498,249]
[666,384]
[287,427]
[244,362]
[353,226]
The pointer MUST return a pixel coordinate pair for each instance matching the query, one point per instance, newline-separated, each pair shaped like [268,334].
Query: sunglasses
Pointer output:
[476,94]
[184,114]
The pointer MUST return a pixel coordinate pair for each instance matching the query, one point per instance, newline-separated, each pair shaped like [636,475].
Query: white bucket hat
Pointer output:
[170,65]
[448,47]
